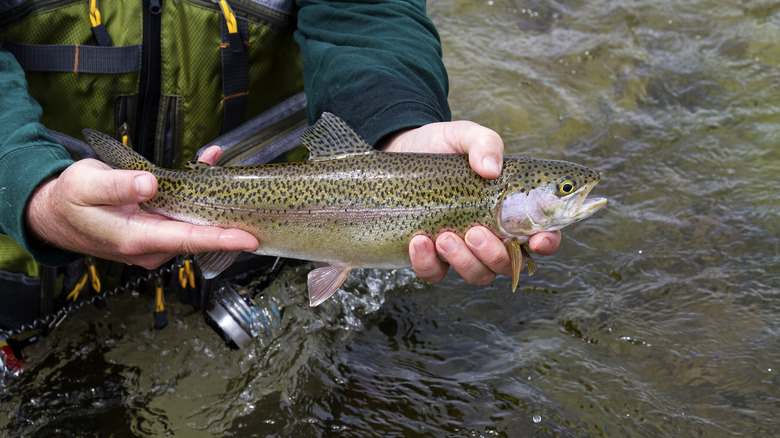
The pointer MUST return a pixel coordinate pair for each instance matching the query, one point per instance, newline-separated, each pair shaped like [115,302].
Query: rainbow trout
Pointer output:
[352,206]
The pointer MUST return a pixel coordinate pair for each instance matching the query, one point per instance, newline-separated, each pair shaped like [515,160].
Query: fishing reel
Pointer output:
[233,314]
[239,314]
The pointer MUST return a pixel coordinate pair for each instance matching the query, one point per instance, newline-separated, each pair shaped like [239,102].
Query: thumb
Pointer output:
[484,147]
[93,183]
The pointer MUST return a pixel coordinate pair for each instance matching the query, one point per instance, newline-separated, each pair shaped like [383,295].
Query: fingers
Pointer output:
[189,239]
[546,242]
[458,255]
[92,183]
[425,260]
[211,155]
[150,233]
[151,240]
[489,250]
[477,259]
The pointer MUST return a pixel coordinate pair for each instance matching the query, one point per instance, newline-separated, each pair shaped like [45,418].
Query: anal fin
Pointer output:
[324,282]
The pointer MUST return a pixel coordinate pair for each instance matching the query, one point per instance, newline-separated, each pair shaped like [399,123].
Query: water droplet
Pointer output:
[537,418]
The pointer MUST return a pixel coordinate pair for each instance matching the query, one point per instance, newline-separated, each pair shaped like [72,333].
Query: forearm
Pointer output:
[28,157]
[377,65]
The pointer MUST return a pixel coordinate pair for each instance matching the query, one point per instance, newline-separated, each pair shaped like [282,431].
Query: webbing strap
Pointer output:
[235,74]
[76,58]
[48,289]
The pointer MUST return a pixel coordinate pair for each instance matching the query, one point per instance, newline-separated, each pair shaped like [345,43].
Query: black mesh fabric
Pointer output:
[20,298]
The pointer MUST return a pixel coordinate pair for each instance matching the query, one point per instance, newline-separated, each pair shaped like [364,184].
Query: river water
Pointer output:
[658,316]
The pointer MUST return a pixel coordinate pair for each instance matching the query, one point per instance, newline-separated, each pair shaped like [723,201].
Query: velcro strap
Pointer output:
[76,58]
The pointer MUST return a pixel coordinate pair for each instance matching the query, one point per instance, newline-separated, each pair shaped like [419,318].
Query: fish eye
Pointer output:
[566,187]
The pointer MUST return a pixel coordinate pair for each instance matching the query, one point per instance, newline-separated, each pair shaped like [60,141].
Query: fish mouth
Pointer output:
[579,207]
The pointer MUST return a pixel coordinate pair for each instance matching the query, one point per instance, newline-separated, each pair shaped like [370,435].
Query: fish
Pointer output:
[353,206]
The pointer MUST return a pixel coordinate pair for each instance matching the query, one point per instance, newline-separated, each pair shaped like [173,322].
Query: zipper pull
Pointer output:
[155,7]
[124,133]
[234,37]
[98,29]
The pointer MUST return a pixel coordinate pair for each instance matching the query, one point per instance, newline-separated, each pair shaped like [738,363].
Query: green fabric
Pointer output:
[14,258]
[88,99]
[28,156]
[377,65]
[191,103]
[192,71]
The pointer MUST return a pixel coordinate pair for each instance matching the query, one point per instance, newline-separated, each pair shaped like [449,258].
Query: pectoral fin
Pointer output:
[517,253]
[325,281]
[212,263]
[516,256]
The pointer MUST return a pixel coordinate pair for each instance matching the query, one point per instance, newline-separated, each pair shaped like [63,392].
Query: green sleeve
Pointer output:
[28,156]
[378,65]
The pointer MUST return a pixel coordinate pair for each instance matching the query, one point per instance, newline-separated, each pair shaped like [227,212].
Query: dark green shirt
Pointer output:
[376,64]
[28,156]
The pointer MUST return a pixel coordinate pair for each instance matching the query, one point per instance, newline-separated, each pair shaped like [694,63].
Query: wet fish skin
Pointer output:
[352,206]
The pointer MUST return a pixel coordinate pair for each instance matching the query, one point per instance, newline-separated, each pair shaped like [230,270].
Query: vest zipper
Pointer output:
[257,12]
[149,85]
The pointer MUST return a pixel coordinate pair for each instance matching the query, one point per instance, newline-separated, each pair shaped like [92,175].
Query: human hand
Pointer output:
[93,209]
[481,255]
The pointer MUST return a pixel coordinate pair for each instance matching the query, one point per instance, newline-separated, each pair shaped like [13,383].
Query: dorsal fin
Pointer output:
[332,138]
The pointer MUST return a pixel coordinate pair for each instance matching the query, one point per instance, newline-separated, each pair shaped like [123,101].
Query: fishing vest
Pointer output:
[165,76]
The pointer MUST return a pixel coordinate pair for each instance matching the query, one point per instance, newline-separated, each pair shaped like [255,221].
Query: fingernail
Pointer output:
[418,246]
[491,163]
[144,186]
[448,245]
[476,238]
[545,245]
